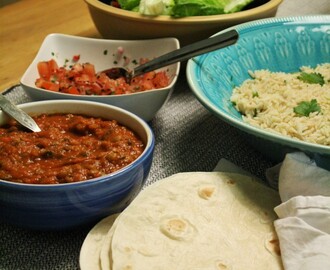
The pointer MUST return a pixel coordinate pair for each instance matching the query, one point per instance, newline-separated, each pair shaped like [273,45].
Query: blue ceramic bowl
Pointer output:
[276,44]
[64,206]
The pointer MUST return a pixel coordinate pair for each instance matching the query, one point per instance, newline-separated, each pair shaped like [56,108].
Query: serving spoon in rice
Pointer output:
[200,47]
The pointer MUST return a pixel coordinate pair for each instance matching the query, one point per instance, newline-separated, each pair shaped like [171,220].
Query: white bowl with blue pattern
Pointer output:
[276,44]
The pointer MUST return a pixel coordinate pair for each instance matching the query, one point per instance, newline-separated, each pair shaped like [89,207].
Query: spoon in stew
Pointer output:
[19,115]
[200,47]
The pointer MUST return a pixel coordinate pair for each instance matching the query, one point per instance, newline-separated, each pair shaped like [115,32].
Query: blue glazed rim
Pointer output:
[195,73]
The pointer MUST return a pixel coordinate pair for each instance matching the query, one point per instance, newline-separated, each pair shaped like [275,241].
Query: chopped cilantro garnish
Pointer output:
[66,61]
[105,52]
[304,108]
[314,78]
[255,94]
[54,78]
[255,112]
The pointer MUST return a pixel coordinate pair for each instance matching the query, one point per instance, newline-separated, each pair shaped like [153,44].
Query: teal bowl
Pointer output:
[276,44]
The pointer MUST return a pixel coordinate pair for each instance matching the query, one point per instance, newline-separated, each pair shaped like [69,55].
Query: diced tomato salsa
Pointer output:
[82,79]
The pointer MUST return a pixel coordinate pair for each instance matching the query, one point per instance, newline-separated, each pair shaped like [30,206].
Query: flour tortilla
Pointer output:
[91,247]
[195,221]
[105,253]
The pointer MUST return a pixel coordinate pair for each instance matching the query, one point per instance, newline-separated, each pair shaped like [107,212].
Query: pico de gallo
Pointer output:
[81,79]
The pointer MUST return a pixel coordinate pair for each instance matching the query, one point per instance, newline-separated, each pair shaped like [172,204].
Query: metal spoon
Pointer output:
[200,47]
[19,115]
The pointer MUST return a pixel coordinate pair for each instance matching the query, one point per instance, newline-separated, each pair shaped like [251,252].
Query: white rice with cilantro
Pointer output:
[296,105]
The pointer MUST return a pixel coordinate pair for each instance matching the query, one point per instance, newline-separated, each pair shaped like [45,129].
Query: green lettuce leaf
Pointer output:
[183,8]
[129,4]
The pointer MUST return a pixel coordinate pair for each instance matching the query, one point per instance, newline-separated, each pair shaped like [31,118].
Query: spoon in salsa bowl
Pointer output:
[200,47]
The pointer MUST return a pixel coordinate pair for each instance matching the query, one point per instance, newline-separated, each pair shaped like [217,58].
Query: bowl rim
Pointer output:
[248,27]
[164,19]
[150,143]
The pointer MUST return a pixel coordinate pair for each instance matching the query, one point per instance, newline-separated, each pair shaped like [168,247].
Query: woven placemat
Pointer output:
[188,138]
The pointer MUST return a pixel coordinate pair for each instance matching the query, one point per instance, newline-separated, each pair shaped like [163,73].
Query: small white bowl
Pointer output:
[103,54]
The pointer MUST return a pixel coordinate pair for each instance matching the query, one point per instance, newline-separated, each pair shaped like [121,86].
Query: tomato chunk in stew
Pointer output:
[70,148]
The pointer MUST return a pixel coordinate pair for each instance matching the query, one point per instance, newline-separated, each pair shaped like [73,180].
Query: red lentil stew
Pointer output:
[70,148]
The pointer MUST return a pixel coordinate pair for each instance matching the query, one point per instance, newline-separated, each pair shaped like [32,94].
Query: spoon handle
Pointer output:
[200,47]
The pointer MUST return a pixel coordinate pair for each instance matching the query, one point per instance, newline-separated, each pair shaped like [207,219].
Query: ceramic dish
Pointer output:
[278,44]
[104,54]
[116,23]
[65,206]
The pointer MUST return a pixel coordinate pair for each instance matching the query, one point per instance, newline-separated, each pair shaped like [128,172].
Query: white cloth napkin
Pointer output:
[303,226]
[299,175]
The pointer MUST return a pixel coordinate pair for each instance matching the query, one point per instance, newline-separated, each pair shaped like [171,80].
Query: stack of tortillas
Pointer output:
[190,221]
